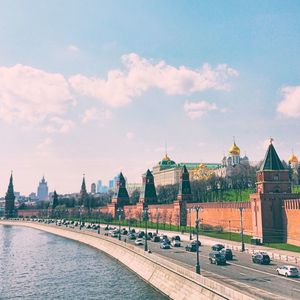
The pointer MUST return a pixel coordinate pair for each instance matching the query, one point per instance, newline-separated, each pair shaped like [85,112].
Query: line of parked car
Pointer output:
[218,256]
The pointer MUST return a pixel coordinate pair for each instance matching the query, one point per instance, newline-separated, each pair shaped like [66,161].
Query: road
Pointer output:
[241,272]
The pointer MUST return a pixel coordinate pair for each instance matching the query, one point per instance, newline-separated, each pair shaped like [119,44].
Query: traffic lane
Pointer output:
[248,276]
[245,260]
[268,282]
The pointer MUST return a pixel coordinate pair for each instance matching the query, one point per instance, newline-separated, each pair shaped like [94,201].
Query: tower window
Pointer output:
[276,177]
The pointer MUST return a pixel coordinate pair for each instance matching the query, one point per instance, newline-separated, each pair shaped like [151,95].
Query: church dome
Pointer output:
[166,161]
[293,159]
[234,149]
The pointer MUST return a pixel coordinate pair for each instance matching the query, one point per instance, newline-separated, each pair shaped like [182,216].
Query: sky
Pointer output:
[99,87]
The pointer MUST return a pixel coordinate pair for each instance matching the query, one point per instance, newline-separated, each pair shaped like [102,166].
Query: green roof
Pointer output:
[271,161]
[196,165]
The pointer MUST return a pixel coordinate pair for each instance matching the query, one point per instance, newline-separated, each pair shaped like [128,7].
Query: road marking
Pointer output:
[296,290]
[263,272]
[243,274]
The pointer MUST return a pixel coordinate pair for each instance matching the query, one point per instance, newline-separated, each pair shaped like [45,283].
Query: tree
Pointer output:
[134,197]
[55,200]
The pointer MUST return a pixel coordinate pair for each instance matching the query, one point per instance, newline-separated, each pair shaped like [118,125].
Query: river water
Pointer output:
[39,265]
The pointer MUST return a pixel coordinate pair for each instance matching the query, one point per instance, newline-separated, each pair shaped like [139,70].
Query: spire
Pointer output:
[83,186]
[184,193]
[148,195]
[271,161]
[10,199]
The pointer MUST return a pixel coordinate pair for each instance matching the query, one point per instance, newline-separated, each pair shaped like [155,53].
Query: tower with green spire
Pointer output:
[273,186]
[121,196]
[84,198]
[55,200]
[148,195]
[9,211]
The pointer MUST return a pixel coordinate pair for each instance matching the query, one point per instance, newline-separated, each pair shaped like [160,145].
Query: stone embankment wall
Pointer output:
[291,217]
[170,278]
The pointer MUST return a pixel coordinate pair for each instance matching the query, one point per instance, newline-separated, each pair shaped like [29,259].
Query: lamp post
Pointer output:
[146,227]
[157,209]
[229,229]
[120,210]
[129,221]
[99,218]
[197,208]
[190,211]
[242,230]
[80,215]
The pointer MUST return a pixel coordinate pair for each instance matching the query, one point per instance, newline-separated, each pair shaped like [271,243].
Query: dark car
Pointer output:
[217,247]
[176,238]
[150,234]
[156,239]
[124,231]
[140,234]
[261,258]
[131,236]
[195,242]
[217,258]
[228,253]
[192,247]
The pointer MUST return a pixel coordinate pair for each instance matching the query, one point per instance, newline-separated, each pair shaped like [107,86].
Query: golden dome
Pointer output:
[166,157]
[293,159]
[234,149]
[201,166]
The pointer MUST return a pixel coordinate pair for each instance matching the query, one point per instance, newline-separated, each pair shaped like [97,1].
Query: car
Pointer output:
[165,245]
[131,236]
[156,239]
[140,234]
[261,258]
[217,247]
[139,242]
[150,234]
[124,231]
[114,234]
[287,271]
[195,242]
[176,243]
[148,237]
[217,258]
[228,253]
[192,247]
[176,238]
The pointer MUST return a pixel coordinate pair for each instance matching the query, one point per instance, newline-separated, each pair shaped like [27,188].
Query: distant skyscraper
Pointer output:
[111,184]
[99,186]
[93,188]
[42,191]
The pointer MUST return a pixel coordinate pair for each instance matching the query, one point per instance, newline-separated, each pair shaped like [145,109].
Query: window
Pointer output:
[276,177]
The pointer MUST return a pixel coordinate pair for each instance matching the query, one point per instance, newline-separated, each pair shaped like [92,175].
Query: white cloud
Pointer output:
[73,48]
[59,125]
[31,95]
[43,147]
[130,135]
[195,110]
[94,114]
[289,106]
[140,74]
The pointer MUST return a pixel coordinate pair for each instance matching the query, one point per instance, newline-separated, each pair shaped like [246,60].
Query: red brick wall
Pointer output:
[225,214]
[292,221]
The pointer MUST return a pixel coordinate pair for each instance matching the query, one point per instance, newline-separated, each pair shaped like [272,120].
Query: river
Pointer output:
[39,265]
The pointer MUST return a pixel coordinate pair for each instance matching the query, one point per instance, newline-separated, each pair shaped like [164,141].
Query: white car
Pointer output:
[287,271]
[139,242]
[176,243]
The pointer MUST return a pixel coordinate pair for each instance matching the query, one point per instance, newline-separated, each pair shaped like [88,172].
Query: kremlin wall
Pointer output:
[271,215]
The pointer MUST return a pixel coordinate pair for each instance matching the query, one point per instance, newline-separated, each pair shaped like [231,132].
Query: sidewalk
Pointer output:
[283,256]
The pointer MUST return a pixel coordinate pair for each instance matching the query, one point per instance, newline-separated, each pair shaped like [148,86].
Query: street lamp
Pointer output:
[120,210]
[242,230]
[80,214]
[190,211]
[146,227]
[157,209]
[129,221]
[197,208]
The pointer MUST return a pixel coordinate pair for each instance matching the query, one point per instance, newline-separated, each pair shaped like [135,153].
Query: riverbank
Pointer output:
[172,279]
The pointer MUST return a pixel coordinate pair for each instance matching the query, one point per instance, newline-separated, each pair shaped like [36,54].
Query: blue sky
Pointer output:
[100,86]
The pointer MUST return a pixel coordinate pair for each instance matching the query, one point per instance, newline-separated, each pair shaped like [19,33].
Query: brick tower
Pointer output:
[272,188]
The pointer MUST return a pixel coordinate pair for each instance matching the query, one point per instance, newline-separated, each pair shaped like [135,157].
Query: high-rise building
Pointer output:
[99,186]
[111,184]
[93,188]
[42,191]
